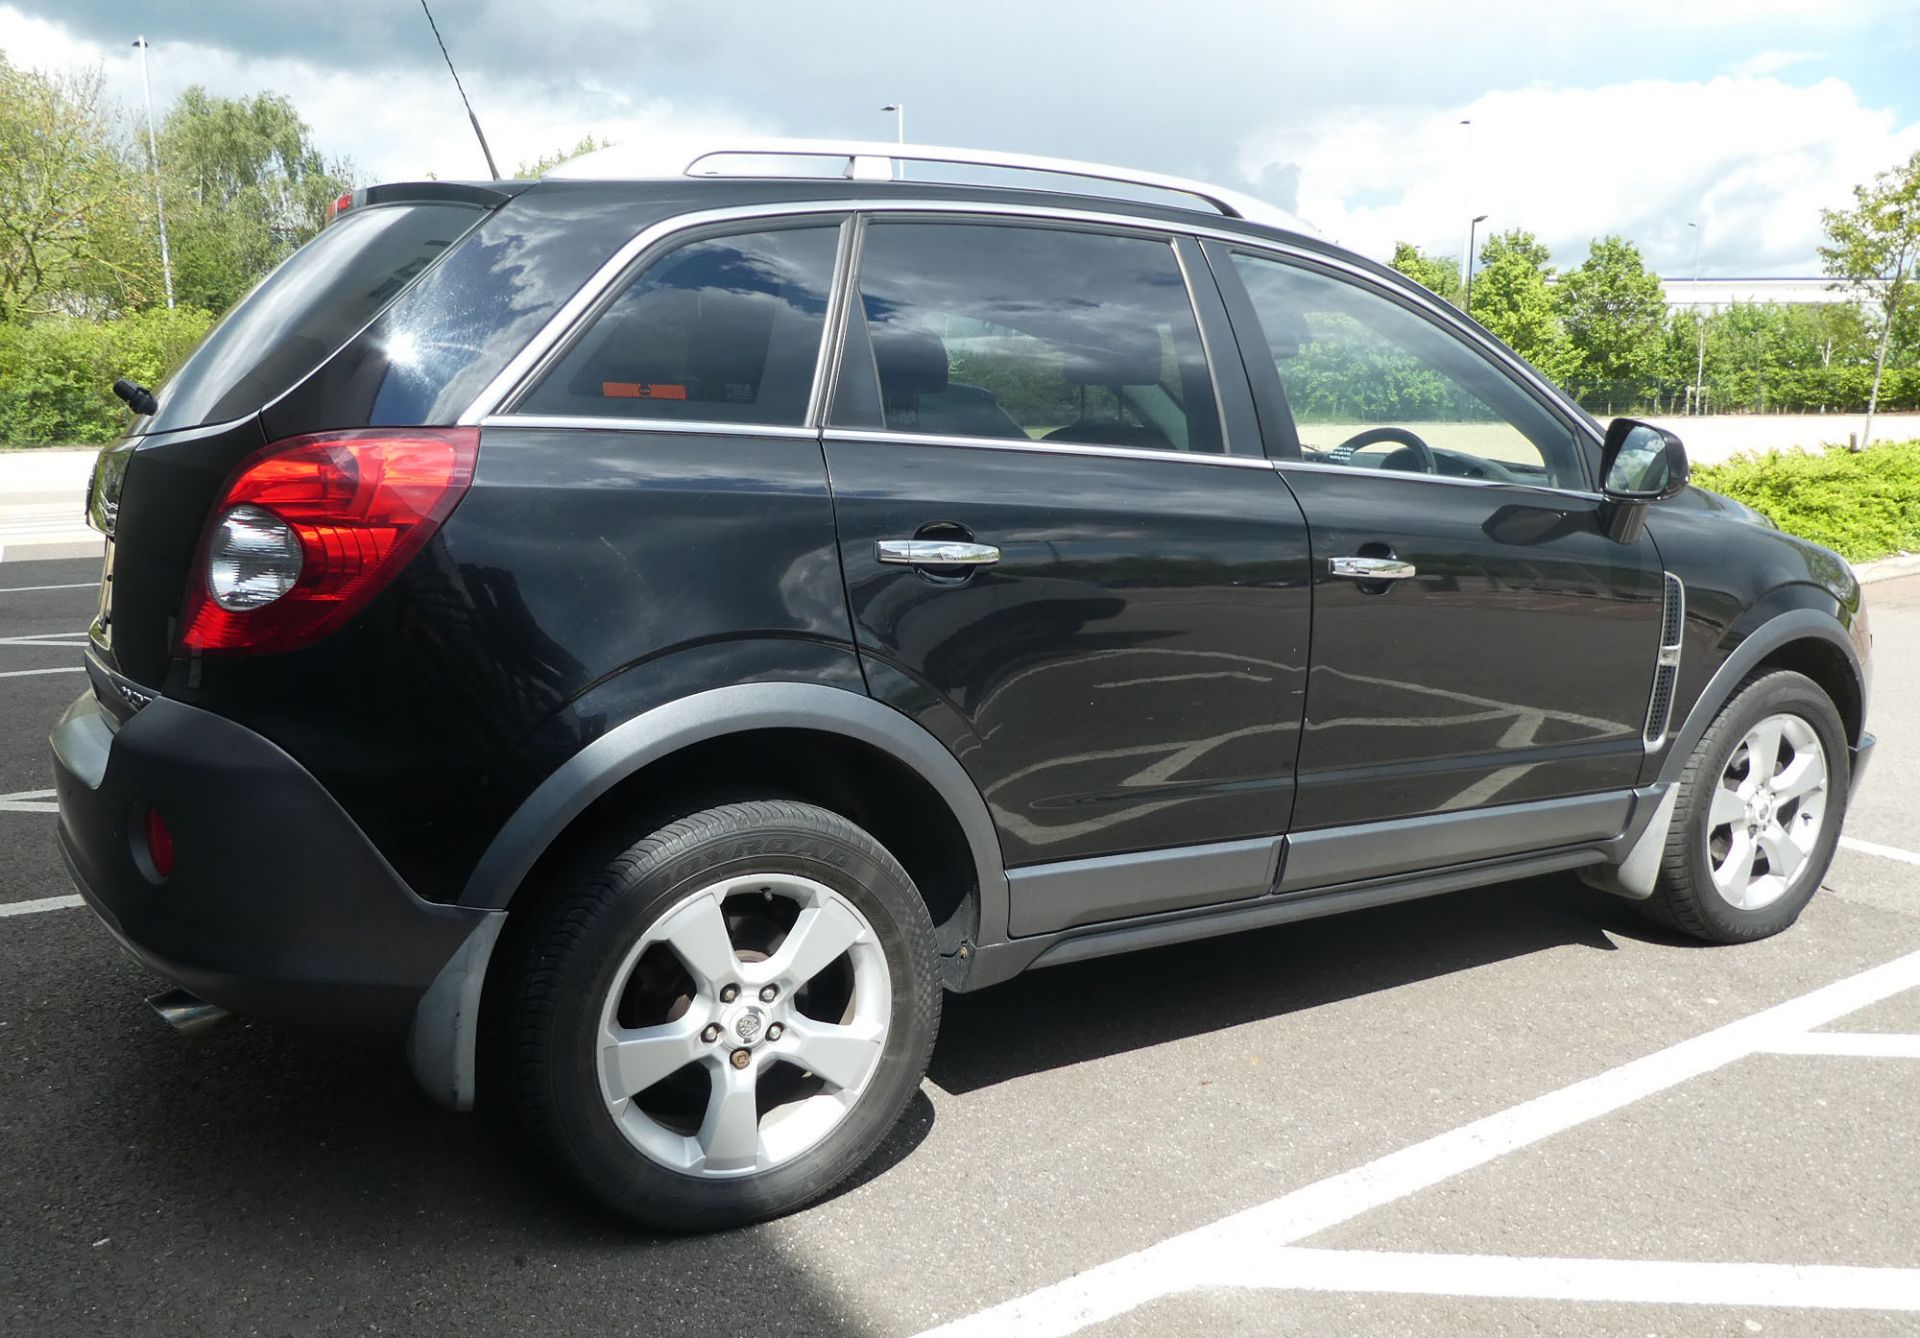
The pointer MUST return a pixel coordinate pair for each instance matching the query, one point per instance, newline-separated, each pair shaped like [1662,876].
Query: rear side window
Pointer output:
[987,330]
[305,310]
[723,330]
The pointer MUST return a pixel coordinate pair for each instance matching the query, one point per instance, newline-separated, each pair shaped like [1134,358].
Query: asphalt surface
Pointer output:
[260,1180]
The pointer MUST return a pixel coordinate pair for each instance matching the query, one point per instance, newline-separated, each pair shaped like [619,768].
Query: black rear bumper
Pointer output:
[278,907]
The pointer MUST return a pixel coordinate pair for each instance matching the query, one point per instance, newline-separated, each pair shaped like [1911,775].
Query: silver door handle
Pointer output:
[935,553]
[1370,569]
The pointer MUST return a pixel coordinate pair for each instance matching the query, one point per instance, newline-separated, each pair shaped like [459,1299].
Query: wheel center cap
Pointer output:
[748,1024]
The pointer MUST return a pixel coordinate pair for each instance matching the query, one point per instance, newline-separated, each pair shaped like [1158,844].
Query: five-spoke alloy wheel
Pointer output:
[722,1021]
[1758,813]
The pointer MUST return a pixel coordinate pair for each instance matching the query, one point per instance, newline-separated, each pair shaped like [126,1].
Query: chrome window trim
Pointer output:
[604,424]
[827,357]
[1350,471]
[558,326]
[1044,447]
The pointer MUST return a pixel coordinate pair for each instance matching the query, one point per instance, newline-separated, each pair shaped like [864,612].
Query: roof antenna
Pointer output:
[478,133]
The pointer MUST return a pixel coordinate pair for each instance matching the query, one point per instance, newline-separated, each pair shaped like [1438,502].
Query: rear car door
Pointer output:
[1106,620]
[1481,647]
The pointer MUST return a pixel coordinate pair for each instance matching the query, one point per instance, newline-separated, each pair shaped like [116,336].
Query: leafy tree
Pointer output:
[1440,275]
[1614,312]
[546,162]
[245,186]
[1513,297]
[67,201]
[1874,249]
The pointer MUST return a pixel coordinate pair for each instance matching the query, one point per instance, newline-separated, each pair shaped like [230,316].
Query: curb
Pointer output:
[1887,568]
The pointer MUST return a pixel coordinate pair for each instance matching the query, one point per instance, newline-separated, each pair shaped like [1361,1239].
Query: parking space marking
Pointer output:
[1875,848]
[1646,1281]
[26,589]
[1850,1044]
[29,801]
[8,908]
[75,639]
[29,673]
[1252,1240]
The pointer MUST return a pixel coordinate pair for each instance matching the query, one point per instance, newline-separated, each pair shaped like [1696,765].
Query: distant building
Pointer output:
[1717,294]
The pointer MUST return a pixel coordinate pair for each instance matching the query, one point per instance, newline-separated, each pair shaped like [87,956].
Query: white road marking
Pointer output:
[25,589]
[1652,1281]
[1875,848]
[1252,1239]
[46,639]
[1851,1044]
[29,673]
[36,907]
[29,801]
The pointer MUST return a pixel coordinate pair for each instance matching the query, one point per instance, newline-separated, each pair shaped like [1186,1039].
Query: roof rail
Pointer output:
[880,160]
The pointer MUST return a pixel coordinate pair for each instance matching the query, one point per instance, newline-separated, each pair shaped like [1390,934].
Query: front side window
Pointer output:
[1372,385]
[1026,334]
[723,330]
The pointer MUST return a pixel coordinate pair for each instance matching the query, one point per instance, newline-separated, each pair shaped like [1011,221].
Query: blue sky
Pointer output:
[1588,117]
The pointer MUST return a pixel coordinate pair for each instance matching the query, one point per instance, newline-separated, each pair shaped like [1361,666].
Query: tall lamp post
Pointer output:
[899,110]
[1700,320]
[153,153]
[1471,227]
[1466,198]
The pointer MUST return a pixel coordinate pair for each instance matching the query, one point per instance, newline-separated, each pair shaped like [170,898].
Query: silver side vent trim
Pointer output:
[1673,621]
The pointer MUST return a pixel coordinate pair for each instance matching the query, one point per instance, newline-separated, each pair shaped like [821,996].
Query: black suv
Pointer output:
[637,640]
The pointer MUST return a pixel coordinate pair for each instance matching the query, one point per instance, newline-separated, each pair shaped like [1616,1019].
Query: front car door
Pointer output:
[1483,652]
[1108,626]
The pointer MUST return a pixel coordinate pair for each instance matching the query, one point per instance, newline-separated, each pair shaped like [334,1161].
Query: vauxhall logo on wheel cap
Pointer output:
[749,1024]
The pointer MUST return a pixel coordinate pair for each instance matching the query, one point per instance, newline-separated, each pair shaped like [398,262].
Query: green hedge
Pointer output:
[1863,505]
[57,373]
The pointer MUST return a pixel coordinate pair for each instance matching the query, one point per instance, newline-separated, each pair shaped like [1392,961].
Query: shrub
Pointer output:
[57,373]
[1863,505]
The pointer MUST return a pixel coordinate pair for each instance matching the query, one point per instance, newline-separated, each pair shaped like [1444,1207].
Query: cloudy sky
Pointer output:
[1587,116]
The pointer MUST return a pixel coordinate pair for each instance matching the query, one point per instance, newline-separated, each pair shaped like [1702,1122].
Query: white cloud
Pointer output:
[1764,63]
[395,125]
[1755,159]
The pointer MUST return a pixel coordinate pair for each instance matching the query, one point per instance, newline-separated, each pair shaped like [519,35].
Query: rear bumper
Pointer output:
[278,907]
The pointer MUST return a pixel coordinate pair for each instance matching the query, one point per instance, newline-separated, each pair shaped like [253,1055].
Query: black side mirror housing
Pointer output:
[1640,464]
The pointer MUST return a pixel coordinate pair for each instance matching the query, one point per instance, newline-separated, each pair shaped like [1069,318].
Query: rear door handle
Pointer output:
[1370,568]
[935,553]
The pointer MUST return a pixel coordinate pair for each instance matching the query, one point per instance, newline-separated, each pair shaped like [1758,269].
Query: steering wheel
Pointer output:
[1373,435]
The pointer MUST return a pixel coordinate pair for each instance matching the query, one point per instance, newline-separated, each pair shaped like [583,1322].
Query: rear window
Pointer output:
[307,308]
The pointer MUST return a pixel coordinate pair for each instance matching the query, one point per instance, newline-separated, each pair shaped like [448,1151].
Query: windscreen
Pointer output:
[306,309]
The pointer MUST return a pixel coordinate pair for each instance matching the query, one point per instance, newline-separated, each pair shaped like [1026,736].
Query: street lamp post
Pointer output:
[153,153]
[1466,198]
[1700,320]
[899,110]
[1471,228]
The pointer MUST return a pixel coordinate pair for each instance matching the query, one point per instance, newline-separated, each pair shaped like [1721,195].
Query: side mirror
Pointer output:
[1641,462]
[1639,465]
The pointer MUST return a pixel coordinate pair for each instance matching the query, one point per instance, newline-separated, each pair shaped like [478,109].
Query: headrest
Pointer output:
[910,361]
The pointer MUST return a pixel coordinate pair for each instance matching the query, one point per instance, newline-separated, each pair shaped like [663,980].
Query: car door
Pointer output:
[1483,652]
[1067,557]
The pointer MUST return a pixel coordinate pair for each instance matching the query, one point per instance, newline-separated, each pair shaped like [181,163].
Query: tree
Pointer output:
[1513,297]
[546,162]
[68,202]
[245,186]
[1615,313]
[1874,250]
[1440,275]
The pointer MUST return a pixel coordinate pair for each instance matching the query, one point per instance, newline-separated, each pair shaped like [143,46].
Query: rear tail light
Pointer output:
[159,844]
[312,528]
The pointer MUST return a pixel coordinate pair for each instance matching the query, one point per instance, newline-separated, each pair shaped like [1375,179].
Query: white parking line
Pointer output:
[1851,1044]
[28,801]
[1251,1242]
[29,673]
[25,589]
[1875,848]
[8,908]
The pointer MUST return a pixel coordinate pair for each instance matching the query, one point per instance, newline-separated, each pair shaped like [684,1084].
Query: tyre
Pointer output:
[1758,813]
[723,1021]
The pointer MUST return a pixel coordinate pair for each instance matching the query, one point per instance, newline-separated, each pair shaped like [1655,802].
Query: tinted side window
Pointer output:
[984,330]
[1370,384]
[722,330]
